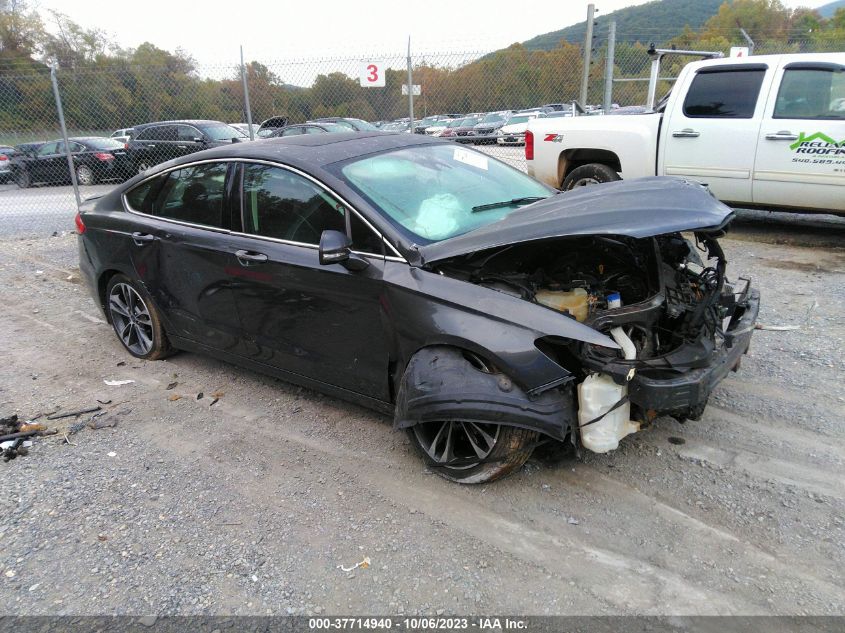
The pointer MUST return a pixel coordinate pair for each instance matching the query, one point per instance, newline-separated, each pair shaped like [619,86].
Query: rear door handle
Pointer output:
[142,238]
[244,257]
[783,135]
[686,133]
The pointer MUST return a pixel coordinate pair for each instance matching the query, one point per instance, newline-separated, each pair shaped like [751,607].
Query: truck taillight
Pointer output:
[104,156]
[80,225]
[529,145]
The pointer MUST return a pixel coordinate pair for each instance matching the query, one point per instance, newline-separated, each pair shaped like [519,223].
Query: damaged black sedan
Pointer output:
[483,310]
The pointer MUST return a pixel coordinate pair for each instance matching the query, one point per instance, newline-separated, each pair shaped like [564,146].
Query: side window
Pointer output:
[810,93]
[146,135]
[278,203]
[77,147]
[314,130]
[48,148]
[187,133]
[142,197]
[294,131]
[364,240]
[728,94]
[193,194]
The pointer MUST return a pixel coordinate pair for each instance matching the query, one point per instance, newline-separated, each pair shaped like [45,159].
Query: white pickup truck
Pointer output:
[763,131]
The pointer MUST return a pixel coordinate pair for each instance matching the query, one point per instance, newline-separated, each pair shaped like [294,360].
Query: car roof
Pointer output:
[178,121]
[315,150]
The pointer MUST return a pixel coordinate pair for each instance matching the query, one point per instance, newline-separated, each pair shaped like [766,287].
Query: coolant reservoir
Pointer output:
[596,395]
[575,301]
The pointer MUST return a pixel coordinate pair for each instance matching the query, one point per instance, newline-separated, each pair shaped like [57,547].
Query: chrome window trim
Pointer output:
[397,256]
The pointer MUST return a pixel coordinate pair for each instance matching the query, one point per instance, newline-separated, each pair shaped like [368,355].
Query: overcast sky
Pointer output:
[212,30]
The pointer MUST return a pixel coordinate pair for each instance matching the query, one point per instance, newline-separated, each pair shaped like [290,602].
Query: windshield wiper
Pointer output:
[507,203]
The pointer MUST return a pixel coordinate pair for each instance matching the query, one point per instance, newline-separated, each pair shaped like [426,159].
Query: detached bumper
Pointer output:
[687,394]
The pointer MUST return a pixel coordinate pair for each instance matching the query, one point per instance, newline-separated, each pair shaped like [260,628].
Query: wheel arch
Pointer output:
[571,159]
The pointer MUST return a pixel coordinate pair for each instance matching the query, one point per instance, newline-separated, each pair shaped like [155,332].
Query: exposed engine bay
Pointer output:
[665,300]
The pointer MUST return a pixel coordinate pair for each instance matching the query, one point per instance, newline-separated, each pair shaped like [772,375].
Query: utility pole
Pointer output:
[246,97]
[608,71]
[410,88]
[588,48]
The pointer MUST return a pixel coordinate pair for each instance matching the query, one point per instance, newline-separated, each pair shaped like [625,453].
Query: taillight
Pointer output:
[3,157]
[529,145]
[80,225]
[104,156]
[126,145]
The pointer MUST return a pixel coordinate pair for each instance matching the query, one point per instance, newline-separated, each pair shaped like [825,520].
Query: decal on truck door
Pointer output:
[820,149]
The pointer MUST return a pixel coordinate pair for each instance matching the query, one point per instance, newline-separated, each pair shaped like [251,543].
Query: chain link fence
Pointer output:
[126,118]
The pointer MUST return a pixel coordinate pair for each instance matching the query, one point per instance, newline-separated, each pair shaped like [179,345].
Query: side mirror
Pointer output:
[199,139]
[336,248]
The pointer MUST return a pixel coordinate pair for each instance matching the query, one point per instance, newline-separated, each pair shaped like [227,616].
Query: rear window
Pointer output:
[726,95]
[103,143]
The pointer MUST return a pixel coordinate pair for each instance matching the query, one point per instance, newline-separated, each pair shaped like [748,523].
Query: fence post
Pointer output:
[410,88]
[588,49]
[61,112]
[747,39]
[246,98]
[608,71]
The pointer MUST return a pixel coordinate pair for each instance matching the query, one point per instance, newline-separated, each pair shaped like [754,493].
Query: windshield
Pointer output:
[222,132]
[470,121]
[457,123]
[492,118]
[362,125]
[103,143]
[518,119]
[434,192]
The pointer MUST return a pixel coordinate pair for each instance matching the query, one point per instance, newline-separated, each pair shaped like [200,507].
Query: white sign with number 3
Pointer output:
[372,75]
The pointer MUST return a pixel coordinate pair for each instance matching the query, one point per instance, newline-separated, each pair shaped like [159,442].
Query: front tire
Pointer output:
[135,319]
[586,175]
[472,453]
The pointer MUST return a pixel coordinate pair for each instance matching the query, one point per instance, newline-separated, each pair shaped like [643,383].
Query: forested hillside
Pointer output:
[658,20]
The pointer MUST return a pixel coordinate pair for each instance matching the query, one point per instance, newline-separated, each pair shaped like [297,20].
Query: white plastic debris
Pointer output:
[117,383]
[10,443]
[363,565]
[112,454]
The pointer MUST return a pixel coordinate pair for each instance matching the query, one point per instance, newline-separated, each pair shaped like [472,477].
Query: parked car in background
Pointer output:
[513,132]
[29,148]
[764,131]
[6,154]
[268,126]
[122,135]
[95,158]
[309,128]
[421,124]
[356,125]
[490,124]
[437,128]
[154,143]
[557,114]
[451,129]
[244,127]
[396,126]
[466,128]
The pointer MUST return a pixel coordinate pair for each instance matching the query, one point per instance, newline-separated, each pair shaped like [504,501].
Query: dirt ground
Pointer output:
[250,506]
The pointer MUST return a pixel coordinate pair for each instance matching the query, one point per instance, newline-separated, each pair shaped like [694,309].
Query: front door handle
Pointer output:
[244,257]
[142,238]
[783,135]
[686,133]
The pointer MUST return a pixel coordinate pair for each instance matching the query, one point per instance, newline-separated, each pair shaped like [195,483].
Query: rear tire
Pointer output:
[23,179]
[592,174]
[135,319]
[85,176]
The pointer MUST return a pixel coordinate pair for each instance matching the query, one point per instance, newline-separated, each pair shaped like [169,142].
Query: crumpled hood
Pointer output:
[635,208]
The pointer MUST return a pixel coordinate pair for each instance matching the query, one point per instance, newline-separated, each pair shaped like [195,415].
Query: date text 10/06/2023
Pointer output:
[419,623]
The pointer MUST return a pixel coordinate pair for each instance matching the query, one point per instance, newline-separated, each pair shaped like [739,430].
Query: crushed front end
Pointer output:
[666,300]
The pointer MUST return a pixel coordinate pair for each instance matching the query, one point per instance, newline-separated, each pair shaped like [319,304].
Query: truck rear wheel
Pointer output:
[592,174]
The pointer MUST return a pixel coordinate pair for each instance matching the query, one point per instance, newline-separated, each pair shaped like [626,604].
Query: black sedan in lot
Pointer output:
[484,311]
[94,158]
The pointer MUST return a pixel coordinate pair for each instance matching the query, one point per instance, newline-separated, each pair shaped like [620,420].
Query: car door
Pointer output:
[182,250]
[45,166]
[186,140]
[801,149]
[323,322]
[712,136]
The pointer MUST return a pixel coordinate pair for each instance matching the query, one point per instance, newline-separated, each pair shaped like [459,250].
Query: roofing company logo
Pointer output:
[818,143]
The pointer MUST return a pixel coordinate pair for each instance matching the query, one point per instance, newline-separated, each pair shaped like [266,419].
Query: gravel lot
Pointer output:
[249,506]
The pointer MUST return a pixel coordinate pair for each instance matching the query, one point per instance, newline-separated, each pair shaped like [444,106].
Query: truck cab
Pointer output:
[765,131]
